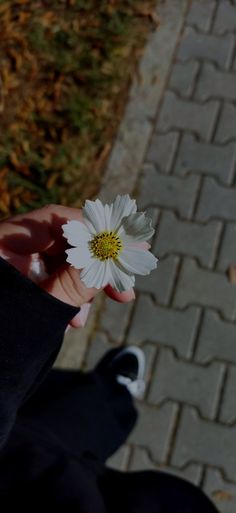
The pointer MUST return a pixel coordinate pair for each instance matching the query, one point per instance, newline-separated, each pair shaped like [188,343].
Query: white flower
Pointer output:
[108,243]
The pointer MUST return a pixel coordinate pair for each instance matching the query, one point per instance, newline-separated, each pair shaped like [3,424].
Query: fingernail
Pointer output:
[132,294]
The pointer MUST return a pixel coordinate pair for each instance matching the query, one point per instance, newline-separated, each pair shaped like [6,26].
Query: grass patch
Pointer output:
[66,67]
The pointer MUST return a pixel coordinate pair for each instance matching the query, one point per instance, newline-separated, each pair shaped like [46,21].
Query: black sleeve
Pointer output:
[32,325]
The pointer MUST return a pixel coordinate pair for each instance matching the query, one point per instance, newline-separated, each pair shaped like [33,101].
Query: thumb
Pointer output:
[65,284]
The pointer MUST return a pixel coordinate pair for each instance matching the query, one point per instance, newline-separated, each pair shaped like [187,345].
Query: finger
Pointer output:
[37,231]
[66,285]
[80,318]
[121,297]
[45,213]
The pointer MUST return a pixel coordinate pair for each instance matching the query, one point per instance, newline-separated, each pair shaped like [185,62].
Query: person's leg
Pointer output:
[152,492]
[88,412]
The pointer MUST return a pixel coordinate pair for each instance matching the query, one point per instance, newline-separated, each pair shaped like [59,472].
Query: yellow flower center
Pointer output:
[106,245]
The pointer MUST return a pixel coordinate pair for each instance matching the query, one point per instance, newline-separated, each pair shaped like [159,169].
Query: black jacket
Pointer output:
[35,469]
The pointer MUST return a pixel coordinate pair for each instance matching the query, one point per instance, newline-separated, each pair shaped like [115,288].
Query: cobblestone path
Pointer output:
[184,316]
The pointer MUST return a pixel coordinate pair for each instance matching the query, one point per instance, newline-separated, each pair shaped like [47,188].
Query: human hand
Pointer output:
[36,238]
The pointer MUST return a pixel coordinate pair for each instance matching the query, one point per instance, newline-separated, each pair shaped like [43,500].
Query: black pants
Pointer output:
[92,416]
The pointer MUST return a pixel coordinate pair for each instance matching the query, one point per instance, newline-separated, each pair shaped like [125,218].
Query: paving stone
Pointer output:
[154,429]
[216,202]
[226,129]
[200,14]
[207,47]
[149,81]
[160,283]
[221,492]
[162,150]
[75,342]
[140,460]
[119,460]
[228,406]
[213,83]
[97,349]
[183,78]
[115,319]
[206,288]
[209,159]
[176,236]
[73,350]
[157,189]
[126,157]
[184,115]
[186,382]
[150,351]
[227,253]
[216,339]
[204,441]
[162,326]
[225,18]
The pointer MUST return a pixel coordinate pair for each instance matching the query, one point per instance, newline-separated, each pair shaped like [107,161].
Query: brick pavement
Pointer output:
[184,316]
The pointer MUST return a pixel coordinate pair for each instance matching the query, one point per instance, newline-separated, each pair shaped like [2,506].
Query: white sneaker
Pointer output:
[129,366]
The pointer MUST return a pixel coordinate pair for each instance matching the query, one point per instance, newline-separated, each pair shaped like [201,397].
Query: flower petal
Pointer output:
[119,279]
[96,216]
[136,227]
[107,215]
[123,206]
[79,257]
[76,233]
[94,274]
[103,276]
[137,260]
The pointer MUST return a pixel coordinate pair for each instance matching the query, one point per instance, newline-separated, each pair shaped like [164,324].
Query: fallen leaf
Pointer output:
[52,180]
[3,207]
[222,495]
[232,273]
[150,13]
[1,96]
